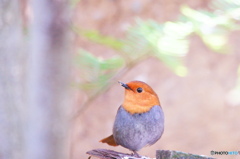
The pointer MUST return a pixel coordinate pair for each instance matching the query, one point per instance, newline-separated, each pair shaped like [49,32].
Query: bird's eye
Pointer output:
[139,90]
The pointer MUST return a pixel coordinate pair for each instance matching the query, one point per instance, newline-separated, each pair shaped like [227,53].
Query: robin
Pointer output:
[140,119]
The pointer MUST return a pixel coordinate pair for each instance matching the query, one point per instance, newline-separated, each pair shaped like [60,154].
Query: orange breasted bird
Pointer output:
[140,119]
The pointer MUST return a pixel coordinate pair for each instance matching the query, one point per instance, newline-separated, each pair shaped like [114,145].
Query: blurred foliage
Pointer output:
[163,41]
[96,37]
[96,72]
[168,42]
[212,27]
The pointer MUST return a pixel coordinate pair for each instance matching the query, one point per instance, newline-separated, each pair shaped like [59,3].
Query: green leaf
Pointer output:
[113,63]
[216,42]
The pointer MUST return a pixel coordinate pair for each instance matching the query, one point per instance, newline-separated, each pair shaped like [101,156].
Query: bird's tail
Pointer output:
[109,140]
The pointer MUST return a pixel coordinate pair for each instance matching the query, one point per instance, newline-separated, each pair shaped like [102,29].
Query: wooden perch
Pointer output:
[167,154]
[110,154]
[160,154]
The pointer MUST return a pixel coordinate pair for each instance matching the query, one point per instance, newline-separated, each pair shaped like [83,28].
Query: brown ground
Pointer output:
[199,118]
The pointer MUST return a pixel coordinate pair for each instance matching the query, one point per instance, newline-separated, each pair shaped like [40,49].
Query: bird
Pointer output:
[139,121]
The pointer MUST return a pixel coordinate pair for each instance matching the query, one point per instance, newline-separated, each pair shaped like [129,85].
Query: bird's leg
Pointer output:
[135,154]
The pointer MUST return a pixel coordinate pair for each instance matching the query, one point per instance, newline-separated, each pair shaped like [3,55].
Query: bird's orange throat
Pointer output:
[136,109]
[140,104]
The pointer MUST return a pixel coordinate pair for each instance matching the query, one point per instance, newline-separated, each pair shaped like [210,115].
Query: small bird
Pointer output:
[140,119]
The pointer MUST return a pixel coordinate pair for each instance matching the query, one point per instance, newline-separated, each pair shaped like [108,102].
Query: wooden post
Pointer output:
[167,154]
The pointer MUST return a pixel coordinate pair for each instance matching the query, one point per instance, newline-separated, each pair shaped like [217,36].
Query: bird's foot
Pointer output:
[135,154]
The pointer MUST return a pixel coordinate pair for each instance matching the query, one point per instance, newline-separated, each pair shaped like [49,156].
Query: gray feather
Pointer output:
[138,130]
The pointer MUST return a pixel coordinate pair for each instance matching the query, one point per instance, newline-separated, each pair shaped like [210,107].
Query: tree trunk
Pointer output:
[47,127]
[12,59]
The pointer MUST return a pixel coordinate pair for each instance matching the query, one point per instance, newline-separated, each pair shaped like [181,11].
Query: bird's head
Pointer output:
[139,97]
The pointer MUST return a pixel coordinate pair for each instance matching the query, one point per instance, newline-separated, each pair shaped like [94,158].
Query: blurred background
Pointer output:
[187,51]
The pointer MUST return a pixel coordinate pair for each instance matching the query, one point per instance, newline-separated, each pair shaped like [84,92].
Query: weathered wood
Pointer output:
[167,154]
[160,154]
[110,154]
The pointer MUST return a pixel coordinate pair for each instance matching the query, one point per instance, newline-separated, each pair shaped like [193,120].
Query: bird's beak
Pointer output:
[124,85]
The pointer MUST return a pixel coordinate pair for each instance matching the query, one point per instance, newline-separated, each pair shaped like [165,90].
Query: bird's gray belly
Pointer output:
[138,130]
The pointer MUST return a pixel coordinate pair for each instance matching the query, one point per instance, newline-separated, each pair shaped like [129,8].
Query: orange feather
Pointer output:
[109,140]
[135,102]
